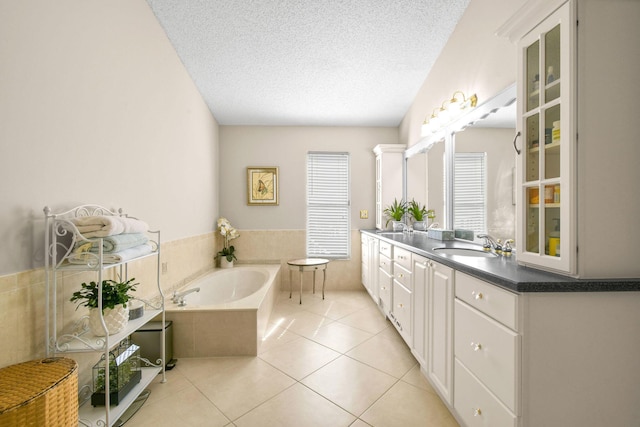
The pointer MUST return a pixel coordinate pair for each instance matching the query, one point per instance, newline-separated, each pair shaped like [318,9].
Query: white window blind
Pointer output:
[470,192]
[328,203]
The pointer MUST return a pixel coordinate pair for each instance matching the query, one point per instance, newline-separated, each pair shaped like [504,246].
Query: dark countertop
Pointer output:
[502,271]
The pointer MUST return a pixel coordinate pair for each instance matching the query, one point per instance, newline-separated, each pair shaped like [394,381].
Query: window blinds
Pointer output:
[470,192]
[328,202]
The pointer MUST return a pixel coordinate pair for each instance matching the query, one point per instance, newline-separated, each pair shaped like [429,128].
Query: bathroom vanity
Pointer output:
[507,345]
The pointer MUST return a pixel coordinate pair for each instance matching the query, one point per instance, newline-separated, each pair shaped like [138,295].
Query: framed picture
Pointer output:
[262,186]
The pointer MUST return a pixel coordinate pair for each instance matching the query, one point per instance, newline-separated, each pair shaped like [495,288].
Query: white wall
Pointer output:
[474,60]
[96,107]
[286,148]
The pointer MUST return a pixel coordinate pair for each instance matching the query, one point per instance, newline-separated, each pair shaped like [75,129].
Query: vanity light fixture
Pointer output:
[450,110]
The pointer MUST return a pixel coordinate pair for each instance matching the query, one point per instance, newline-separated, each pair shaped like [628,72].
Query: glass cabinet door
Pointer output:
[545,170]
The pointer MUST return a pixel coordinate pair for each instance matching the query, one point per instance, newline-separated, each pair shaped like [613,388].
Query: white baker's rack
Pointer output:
[61,236]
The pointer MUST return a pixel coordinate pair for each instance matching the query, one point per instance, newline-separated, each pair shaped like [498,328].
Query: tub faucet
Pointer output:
[178,297]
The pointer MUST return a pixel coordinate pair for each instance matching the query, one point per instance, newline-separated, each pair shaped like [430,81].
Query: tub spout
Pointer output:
[178,297]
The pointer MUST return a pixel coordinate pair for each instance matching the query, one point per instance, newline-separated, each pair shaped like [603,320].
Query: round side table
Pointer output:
[307,264]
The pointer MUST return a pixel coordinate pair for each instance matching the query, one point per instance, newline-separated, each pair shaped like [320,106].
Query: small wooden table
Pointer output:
[307,264]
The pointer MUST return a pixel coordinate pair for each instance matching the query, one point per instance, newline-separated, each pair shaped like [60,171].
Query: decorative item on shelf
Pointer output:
[124,374]
[395,213]
[449,111]
[115,312]
[227,254]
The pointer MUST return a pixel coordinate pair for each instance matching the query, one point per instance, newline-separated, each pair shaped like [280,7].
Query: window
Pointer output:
[470,192]
[328,205]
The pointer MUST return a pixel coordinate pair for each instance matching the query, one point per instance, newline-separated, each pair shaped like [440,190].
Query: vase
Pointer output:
[225,264]
[115,318]
[397,225]
[420,226]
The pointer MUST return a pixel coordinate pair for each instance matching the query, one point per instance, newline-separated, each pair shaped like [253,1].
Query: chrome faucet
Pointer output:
[178,297]
[490,243]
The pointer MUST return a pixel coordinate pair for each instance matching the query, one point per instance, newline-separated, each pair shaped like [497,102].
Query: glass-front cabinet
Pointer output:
[545,121]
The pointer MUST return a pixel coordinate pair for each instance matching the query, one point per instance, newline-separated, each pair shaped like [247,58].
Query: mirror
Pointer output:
[484,136]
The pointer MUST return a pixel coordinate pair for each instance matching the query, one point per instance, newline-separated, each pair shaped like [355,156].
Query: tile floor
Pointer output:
[335,362]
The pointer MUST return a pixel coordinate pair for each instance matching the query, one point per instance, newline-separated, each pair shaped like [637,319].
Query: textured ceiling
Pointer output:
[310,63]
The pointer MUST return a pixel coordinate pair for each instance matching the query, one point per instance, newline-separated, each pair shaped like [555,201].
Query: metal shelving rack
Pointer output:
[61,236]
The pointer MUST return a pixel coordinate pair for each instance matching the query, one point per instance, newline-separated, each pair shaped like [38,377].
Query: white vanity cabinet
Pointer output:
[439,334]
[385,277]
[487,353]
[401,314]
[577,155]
[420,273]
[369,265]
[389,160]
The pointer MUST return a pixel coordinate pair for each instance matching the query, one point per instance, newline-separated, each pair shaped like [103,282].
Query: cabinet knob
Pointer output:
[477,295]
[477,412]
[476,346]
[401,275]
[401,305]
[384,288]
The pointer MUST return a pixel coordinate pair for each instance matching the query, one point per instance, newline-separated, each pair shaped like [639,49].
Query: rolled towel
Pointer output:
[106,225]
[90,258]
[110,244]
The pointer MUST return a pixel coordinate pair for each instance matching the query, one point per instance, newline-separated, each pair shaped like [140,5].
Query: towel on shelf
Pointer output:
[105,225]
[110,244]
[91,259]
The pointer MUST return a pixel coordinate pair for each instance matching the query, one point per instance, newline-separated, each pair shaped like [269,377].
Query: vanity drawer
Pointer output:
[402,276]
[402,257]
[489,350]
[385,290]
[488,298]
[385,264]
[475,404]
[386,249]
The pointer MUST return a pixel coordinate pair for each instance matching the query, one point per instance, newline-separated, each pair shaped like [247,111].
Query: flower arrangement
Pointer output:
[229,233]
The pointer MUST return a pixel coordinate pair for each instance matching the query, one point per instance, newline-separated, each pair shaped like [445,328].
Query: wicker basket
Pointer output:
[39,393]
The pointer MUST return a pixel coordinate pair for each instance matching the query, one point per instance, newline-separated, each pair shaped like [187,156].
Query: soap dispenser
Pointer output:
[554,239]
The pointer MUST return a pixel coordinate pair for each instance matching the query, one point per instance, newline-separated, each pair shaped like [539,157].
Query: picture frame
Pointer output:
[262,186]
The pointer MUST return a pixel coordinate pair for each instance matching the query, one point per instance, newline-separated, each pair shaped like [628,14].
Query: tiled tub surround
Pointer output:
[211,328]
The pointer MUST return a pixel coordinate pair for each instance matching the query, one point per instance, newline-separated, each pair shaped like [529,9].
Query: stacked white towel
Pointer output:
[90,258]
[105,225]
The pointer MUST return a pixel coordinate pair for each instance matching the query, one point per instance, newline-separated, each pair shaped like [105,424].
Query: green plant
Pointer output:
[113,293]
[417,212]
[395,211]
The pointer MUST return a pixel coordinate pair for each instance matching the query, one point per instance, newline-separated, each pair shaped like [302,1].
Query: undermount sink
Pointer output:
[468,252]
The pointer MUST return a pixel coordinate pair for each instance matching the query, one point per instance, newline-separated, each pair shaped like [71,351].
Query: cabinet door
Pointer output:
[385,283]
[420,273]
[402,311]
[440,331]
[545,236]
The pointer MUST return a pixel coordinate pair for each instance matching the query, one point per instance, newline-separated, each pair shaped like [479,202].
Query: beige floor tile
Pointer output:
[333,308]
[416,378]
[368,319]
[300,357]
[359,423]
[340,337]
[350,384]
[176,382]
[236,388]
[187,408]
[385,355]
[275,336]
[405,405]
[296,406]
[304,323]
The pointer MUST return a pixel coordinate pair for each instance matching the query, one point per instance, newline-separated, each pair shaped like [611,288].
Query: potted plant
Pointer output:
[229,233]
[115,296]
[419,213]
[395,212]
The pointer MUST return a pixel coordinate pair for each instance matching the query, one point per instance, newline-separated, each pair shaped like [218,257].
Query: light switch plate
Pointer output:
[364,214]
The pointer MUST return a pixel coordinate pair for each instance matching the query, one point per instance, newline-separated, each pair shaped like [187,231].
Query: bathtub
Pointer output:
[228,316]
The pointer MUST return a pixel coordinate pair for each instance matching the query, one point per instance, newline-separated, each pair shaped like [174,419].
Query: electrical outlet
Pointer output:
[164,268]
[364,214]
